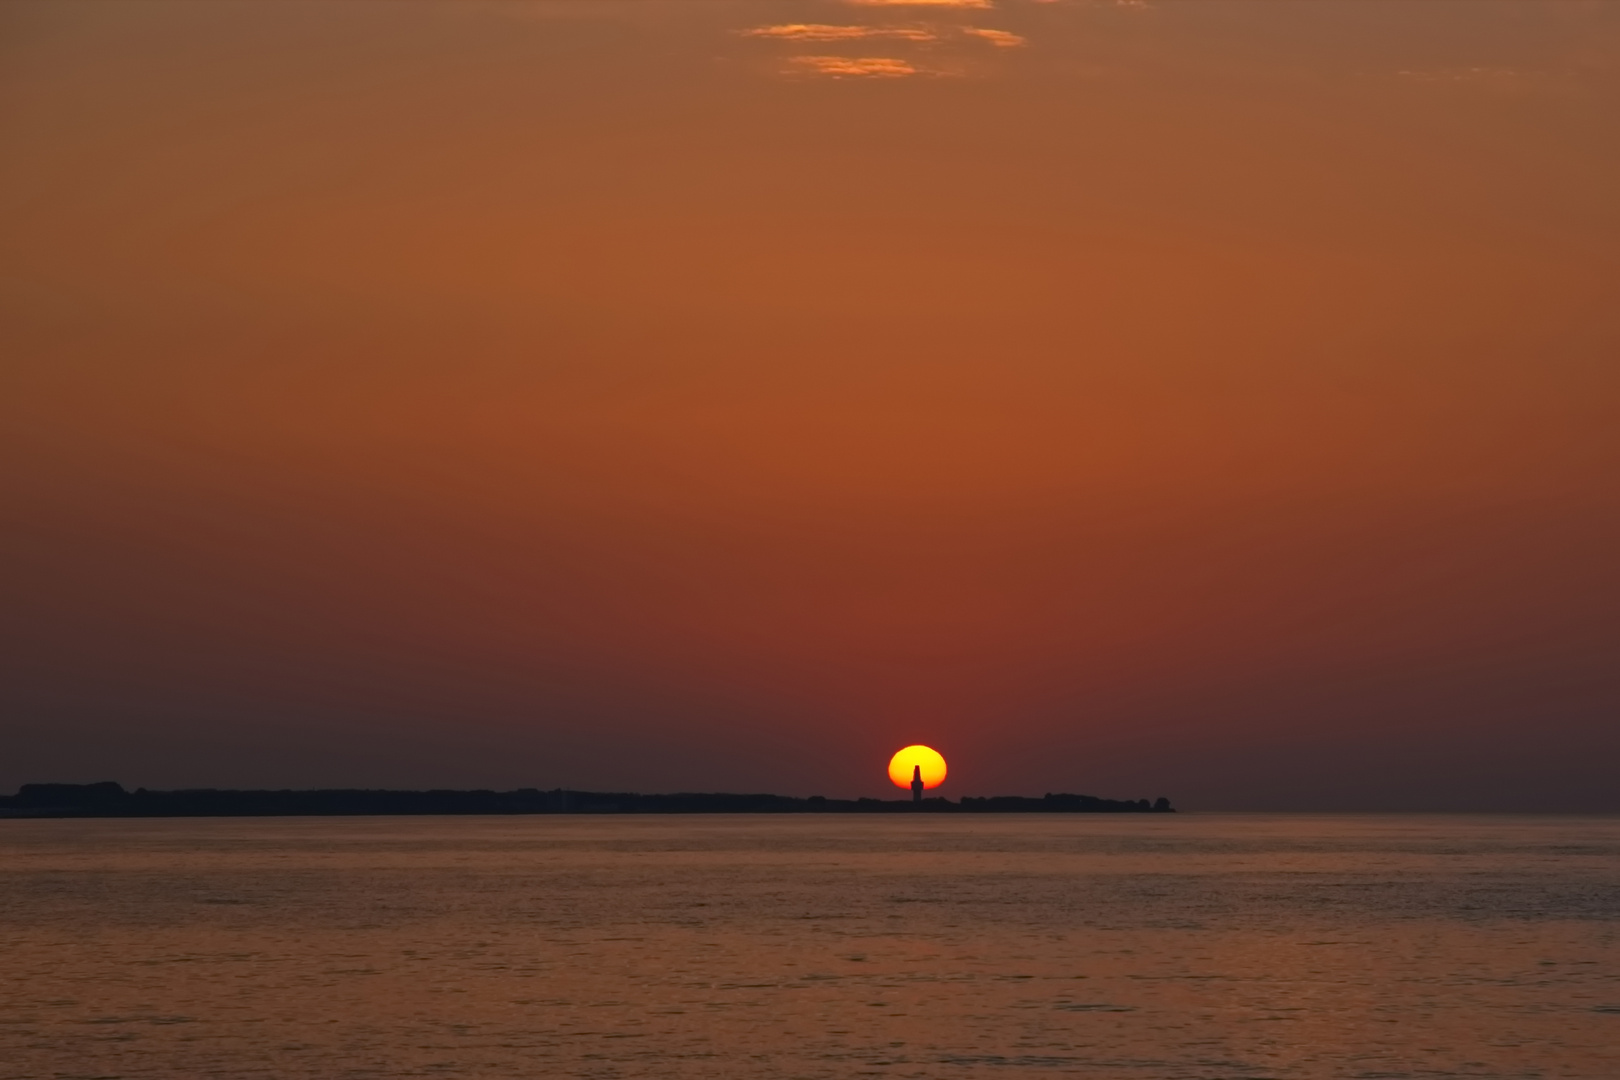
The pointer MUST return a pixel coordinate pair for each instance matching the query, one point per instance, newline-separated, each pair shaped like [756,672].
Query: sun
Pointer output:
[930,760]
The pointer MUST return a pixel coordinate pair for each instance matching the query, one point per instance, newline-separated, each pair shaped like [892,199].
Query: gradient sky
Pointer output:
[1203,399]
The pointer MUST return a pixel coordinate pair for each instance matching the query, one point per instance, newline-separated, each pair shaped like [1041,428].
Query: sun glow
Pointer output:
[927,758]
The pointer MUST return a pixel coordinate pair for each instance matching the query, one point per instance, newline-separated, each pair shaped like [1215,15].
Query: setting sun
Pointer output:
[927,758]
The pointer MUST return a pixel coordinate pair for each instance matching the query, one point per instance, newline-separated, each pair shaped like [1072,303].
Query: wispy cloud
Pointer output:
[824,32]
[937,46]
[1003,39]
[980,4]
[861,67]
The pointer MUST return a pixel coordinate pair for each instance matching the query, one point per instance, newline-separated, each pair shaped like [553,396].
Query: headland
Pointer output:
[109,799]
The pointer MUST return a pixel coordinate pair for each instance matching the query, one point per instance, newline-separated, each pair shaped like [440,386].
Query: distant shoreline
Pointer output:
[109,799]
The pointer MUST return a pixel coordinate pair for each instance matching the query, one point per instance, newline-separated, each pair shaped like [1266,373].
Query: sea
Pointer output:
[1136,947]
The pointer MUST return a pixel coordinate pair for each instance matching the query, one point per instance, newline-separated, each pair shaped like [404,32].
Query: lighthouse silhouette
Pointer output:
[916,783]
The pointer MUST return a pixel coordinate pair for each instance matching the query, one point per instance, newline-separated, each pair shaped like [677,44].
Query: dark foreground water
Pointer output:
[1208,947]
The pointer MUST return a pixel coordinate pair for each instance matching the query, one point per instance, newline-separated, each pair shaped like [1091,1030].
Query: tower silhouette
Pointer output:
[916,783]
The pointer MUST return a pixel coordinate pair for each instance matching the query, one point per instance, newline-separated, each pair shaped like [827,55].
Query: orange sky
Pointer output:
[1215,400]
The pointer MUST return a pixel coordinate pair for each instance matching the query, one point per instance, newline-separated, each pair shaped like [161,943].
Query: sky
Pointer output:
[1217,400]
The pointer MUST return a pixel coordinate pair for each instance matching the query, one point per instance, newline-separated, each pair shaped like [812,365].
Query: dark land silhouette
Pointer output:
[109,799]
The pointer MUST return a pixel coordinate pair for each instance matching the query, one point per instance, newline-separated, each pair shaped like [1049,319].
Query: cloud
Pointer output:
[865,67]
[823,32]
[1003,39]
[923,3]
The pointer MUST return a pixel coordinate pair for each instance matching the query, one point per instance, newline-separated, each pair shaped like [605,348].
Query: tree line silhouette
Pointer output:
[109,799]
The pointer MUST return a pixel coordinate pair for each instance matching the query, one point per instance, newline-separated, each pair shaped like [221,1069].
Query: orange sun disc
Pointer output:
[925,757]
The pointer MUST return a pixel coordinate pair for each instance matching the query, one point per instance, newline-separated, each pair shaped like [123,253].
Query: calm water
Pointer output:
[1208,947]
